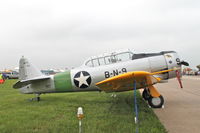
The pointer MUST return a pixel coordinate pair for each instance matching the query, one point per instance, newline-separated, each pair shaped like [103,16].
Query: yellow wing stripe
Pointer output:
[164,71]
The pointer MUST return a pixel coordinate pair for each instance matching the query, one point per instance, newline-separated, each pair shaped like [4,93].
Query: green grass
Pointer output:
[56,113]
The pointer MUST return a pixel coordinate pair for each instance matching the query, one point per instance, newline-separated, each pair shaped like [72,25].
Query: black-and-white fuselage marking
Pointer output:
[114,72]
[82,79]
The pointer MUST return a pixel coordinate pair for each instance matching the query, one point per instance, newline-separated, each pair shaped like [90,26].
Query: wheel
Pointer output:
[38,99]
[156,102]
[145,94]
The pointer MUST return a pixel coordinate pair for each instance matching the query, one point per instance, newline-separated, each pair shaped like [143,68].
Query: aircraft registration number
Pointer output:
[115,72]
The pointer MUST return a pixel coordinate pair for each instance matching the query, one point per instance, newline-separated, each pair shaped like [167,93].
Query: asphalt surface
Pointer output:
[181,112]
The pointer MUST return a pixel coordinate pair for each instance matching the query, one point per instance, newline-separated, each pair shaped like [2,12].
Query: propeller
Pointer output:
[178,72]
[184,63]
[178,75]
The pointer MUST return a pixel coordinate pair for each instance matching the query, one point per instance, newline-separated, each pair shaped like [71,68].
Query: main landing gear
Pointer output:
[36,98]
[154,102]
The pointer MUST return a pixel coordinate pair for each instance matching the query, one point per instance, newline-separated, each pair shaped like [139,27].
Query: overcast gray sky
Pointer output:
[63,33]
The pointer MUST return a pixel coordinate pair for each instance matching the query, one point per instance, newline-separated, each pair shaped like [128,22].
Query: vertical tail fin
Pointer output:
[27,70]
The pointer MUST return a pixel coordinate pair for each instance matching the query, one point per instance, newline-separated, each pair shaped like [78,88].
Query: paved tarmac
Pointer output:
[181,113]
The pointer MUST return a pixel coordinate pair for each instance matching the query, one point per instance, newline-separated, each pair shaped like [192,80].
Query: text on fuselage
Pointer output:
[115,72]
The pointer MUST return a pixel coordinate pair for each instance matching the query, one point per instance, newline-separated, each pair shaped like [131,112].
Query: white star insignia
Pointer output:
[82,80]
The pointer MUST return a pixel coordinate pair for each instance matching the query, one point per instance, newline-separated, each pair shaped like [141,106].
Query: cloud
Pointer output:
[65,33]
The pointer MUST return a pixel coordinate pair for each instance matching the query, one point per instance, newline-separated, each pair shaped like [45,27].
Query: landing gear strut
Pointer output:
[36,98]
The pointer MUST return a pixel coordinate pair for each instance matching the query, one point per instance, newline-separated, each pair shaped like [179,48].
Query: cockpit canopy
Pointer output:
[106,59]
[119,56]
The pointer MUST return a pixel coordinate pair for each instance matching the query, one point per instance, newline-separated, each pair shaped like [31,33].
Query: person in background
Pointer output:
[1,79]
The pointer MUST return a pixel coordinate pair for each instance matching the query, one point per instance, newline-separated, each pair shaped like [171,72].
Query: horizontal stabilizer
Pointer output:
[23,83]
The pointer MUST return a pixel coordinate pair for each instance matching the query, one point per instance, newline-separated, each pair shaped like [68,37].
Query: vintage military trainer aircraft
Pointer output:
[114,72]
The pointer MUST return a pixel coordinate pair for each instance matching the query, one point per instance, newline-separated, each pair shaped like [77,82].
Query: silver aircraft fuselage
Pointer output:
[97,69]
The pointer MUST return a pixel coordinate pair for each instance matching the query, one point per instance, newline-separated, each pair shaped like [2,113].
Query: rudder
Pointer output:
[27,70]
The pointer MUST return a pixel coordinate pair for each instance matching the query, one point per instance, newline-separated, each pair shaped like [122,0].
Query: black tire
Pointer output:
[38,99]
[156,102]
[145,94]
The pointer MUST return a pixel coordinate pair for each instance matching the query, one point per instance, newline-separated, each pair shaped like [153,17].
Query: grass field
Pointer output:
[56,113]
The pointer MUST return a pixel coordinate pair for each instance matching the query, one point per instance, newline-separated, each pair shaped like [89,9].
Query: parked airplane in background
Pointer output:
[114,72]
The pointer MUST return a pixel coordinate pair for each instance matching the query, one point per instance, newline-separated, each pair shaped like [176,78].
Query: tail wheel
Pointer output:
[38,99]
[146,94]
[156,102]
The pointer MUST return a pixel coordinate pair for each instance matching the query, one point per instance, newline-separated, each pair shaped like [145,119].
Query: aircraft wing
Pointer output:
[23,83]
[125,81]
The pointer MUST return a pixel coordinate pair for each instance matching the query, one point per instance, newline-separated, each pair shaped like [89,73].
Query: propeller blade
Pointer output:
[184,63]
[179,78]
